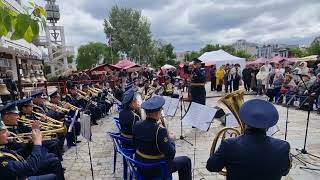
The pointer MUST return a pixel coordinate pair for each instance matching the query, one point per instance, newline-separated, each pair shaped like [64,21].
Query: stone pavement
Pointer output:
[78,167]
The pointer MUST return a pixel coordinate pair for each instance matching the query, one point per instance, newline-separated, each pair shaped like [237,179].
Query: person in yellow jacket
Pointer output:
[219,75]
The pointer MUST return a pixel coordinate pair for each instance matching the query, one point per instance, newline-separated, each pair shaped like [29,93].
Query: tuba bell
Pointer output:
[233,102]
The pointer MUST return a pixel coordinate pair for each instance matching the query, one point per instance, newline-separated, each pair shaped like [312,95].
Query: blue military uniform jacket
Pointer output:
[128,119]
[252,156]
[151,139]
[13,166]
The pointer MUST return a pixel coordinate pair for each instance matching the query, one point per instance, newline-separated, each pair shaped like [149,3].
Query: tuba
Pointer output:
[233,101]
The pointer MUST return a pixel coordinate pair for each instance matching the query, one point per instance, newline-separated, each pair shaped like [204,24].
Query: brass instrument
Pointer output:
[55,107]
[70,106]
[98,89]
[54,122]
[25,138]
[114,99]
[82,95]
[29,122]
[233,101]
[162,119]
[93,92]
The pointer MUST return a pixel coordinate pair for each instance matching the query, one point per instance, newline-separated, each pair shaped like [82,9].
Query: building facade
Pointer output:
[248,47]
[270,50]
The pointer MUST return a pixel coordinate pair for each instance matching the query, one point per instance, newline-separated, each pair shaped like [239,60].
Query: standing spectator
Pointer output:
[219,75]
[262,80]
[246,76]
[227,81]
[253,83]
[317,71]
[236,77]
[213,78]
[304,68]
[274,91]
[267,66]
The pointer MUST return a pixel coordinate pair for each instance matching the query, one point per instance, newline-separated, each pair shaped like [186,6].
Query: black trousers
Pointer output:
[182,164]
[198,94]
[213,84]
[246,83]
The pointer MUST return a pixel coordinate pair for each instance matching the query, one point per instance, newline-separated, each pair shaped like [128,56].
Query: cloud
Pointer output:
[190,24]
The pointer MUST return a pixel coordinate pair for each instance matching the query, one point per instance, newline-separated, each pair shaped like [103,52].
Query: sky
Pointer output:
[191,24]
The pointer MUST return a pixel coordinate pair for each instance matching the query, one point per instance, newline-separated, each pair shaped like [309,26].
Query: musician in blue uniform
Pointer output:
[26,106]
[71,136]
[39,106]
[130,114]
[103,97]
[100,108]
[198,80]
[76,100]
[154,143]
[254,155]
[13,165]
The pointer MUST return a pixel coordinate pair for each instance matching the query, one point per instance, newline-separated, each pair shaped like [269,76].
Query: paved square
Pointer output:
[78,168]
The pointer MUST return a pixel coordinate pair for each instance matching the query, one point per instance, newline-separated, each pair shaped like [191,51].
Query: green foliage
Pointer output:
[214,47]
[191,55]
[242,54]
[21,26]
[314,49]
[90,54]
[130,33]
[296,52]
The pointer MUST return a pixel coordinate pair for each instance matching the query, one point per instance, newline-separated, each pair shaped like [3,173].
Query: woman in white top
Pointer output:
[262,80]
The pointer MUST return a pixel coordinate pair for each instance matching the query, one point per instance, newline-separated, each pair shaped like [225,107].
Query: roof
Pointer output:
[126,64]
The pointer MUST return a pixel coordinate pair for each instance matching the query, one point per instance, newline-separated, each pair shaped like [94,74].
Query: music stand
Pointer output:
[310,100]
[182,107]
[200,117]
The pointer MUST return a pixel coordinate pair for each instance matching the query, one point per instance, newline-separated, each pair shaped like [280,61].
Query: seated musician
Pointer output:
[168,87]
[103,97]
[158,88]
[26,106]
[55,99]
[155,143]
[38,160]
[117,90]
[130,114]
[99,109]
[74,99]
[39,106]
[254,155]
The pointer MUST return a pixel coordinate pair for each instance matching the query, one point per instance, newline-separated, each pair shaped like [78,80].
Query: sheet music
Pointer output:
[231,121]
[85,126]
[166,105]
[74,118]
[174,103]
[200,116]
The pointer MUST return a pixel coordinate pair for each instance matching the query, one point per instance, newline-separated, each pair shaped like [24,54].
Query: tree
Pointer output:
[314,49]
[21,25]
[296,52]
[242,54]
[90,54]
[130,33]
[191,55]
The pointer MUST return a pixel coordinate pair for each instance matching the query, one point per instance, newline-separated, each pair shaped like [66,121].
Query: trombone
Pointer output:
[54,122]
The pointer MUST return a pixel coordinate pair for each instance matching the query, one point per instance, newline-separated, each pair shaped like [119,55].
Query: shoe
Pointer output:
[78,141]
[95,123]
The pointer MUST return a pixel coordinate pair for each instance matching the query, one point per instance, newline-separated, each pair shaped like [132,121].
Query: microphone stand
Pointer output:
[310,105]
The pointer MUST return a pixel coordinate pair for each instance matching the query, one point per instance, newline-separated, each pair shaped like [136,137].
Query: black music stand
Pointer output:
[193,117]
[309,100]
[182,107]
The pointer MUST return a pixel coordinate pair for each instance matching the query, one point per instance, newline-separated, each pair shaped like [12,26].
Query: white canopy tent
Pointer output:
[168,66]
[220,58]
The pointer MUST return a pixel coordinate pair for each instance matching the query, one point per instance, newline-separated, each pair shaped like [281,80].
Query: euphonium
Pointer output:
[233,101]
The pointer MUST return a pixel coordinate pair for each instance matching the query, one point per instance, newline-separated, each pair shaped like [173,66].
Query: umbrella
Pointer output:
[168,66]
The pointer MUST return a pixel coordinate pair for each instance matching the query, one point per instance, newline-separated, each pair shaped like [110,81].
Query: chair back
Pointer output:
[122,143]
[134,165]
[117,123]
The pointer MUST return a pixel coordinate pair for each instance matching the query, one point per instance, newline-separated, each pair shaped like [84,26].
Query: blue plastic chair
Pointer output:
[134,165]
[119,142]
[117,123]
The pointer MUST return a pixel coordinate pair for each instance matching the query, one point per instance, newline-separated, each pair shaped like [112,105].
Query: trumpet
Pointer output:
[54,123]
[81,92]
[56,107]
[25,138]
[29,122]
[97,89]
[87,99]
[70,106]
[93,92]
